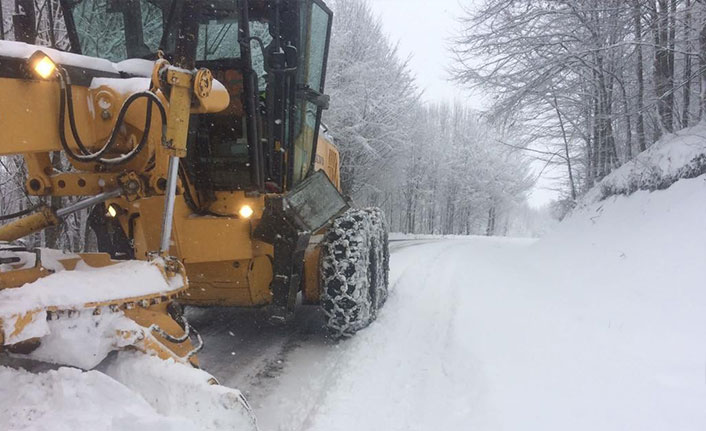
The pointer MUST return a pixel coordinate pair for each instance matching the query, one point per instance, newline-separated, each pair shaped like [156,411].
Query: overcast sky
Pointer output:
[424,29]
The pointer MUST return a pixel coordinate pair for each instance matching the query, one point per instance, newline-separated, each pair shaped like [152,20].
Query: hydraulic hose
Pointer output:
[66,101]
[17,214]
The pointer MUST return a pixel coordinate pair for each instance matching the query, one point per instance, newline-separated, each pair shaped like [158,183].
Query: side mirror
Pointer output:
[323,100]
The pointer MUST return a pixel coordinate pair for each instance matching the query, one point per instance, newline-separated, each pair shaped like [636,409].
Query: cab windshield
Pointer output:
[118,30]
[223,154]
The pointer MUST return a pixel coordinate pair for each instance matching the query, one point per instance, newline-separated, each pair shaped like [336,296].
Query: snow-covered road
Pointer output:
[406,371]
[596,327]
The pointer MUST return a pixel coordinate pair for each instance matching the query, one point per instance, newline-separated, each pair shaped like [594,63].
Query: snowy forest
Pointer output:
[590,84]
[578,87]
[434,168]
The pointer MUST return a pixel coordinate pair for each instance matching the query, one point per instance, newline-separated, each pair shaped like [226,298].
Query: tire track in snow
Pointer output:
[343,359]
[398,362]
[308,370]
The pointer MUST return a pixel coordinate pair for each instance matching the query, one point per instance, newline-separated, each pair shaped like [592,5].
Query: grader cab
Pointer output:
[192,129]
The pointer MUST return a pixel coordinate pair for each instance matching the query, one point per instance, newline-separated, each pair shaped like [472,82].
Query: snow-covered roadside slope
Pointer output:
[675,156]
[611,318]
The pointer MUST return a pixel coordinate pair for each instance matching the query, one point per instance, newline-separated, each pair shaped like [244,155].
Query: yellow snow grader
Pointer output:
[193,133]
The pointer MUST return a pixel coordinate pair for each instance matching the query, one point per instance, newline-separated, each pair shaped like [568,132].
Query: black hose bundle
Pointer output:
[18,214]
[66,101]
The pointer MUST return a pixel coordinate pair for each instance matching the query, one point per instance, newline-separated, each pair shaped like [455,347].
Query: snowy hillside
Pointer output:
[674,156]
[614,306]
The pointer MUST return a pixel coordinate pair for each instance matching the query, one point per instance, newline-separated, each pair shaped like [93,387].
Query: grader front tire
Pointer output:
[353,271]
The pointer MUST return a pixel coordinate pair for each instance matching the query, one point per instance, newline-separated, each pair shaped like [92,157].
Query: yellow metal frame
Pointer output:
[146,310]
[225,265]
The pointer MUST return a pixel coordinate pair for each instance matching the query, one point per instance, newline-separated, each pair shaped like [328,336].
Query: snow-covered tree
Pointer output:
[590,82]
[372,96]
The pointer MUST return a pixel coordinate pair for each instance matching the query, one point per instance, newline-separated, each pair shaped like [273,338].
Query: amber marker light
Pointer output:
[245,211]
[41,65]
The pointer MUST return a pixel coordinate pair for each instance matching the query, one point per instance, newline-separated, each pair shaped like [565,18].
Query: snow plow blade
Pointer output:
[177,391]
[51,303]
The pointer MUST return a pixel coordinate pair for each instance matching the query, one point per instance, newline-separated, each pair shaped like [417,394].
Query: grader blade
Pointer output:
[75,309]
[175,390]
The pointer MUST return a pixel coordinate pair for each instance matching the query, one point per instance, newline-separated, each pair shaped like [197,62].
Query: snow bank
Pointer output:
[613,317]
[399,236]
[177,390]
[68,399]
[144,394]
[675,156]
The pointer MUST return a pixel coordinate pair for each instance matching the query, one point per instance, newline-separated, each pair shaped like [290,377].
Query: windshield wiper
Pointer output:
[218,40]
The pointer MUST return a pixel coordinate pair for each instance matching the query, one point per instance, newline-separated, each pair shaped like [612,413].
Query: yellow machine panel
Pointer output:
[327,159]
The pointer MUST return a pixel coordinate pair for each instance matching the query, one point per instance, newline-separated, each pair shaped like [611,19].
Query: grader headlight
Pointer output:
[246,211]
[42,66]
[113,210]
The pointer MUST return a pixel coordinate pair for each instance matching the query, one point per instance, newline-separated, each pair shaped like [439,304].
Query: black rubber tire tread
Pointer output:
[380,226]
[353,271]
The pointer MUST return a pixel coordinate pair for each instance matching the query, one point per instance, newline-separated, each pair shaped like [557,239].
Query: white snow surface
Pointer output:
[177,390]
[598,326]
[69,399]
[674,156]
[123,86]
[83,341]
[136,67]
[21,50]
[50,258]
